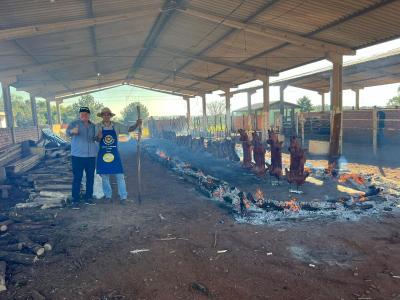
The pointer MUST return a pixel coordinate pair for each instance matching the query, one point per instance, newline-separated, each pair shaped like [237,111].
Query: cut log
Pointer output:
[12,247]
[23,165]
[3,267]
[32,246]
[50,194]
[17,258]
[47,246]
[4,225]
[28,205]
[23,227]
[54,187]
[10,154]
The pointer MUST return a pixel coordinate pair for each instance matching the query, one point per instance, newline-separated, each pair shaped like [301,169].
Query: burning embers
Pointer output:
[259,208]
[292,205]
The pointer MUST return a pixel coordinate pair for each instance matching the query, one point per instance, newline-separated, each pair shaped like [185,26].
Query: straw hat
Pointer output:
[105,110]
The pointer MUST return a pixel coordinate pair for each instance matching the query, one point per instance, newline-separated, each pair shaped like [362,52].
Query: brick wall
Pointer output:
[21,134]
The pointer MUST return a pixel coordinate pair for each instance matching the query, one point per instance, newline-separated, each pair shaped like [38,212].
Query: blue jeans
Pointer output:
[121,186]
[80,164]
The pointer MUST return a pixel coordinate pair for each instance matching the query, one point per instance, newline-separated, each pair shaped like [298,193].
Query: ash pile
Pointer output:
[374,195]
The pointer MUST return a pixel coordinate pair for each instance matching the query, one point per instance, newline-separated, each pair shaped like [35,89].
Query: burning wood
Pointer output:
[259,198]
[292,205]
[275,168]
[354,177]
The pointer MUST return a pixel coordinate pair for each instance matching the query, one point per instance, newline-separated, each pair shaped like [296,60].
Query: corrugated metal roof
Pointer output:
[115,46]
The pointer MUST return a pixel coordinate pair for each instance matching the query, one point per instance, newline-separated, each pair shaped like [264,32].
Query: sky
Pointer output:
[161,104]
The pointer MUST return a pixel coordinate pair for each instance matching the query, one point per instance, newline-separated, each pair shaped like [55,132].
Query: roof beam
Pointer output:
[173,87]
[161,91]
[27,52]
[59,64]
[215,82]
[39,29]
[158,26]
[93,34]
[298,40]
[221,62]
[88,89]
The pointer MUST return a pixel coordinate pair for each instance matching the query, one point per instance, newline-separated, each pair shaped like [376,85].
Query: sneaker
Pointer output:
[89,201]
[122,201]
[75,205]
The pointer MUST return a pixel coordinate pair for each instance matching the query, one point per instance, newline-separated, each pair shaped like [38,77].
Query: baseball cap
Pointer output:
[84,109]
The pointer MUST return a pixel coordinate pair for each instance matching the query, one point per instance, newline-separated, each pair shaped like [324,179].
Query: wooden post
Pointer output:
[187,99]
[204,107]
[265,114]
[228,111]
[335,143]
[49,117]
[249,112]
[357,91]
[8,105]
[322,101]
[375,130]
[8,109]
[58,103]
[34,110]
[302,121]
[282,101]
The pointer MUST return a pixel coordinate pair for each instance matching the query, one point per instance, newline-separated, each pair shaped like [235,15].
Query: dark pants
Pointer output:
[78,165]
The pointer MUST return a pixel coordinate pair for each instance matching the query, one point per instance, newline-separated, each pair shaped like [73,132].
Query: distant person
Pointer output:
[108,158]
[83,154]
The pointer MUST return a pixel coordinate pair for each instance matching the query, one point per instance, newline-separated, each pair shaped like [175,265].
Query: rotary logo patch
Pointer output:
[108,139]
[108,157]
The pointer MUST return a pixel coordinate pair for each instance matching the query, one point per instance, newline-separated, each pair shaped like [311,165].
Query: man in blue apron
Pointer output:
[108,158]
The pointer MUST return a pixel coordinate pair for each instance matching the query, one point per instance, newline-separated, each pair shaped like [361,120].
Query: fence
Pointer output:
[9,136]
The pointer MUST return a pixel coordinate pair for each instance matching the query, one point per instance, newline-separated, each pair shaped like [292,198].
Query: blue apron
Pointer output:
[108,159]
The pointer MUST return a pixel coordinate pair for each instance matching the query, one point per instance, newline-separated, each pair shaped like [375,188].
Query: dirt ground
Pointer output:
[184,232]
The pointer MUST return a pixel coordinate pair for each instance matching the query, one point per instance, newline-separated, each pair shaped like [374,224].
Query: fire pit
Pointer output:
[366,195]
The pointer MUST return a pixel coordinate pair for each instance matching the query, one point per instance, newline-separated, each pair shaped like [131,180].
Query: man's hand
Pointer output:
[138,123]
[75,131]
[99,134]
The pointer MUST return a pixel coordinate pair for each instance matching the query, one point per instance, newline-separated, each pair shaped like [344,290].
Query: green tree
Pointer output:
[216,108]
[305,104]
[85,100]
[395,101]
[129,113]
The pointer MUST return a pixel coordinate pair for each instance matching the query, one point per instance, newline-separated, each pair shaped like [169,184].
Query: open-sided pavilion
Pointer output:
[54,49]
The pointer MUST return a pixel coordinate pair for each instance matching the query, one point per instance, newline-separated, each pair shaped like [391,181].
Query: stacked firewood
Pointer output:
[48,185]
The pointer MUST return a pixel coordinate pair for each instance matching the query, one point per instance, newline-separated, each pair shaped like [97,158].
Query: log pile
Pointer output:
[23,165]
[48,185]
[10,153]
